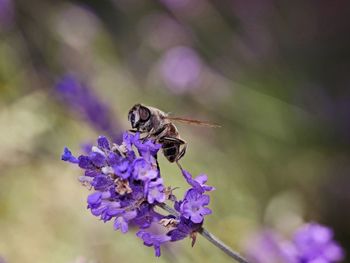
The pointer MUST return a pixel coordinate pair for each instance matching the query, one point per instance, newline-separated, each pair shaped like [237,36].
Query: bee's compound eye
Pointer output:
[145,113]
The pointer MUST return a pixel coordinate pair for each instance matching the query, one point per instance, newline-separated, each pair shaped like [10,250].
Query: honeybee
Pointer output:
[158,125]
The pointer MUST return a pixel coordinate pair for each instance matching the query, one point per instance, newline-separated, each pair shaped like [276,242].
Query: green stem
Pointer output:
[210,237]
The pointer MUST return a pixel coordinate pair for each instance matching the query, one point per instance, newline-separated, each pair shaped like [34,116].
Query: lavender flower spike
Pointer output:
[127,186]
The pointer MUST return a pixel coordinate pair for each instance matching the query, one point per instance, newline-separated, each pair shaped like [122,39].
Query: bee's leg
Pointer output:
[162,135]
[179,165]
[149,135]
[136,130]
[182,152]
[173,140]
[141,132]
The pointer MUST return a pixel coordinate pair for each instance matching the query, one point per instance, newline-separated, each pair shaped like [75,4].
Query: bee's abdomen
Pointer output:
[171,151]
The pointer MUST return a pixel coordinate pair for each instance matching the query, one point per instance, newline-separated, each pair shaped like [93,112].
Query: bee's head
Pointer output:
[138,116]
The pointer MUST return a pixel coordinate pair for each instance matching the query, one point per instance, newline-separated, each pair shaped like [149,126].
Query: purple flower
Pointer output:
[183,229]
[103,143]
[67,156]
[193,206]
[123,168]
[143,170]
[202,179]
[146,216]
[102,210]
[129,140]
[85,162]
[127,186]
[121,222]
[147,148]
[94,199]
[150,239]
[118,194]
[101,182]
[156,191]
[113,158]
[97,159]
[99,204]
[198,183]
[315,243]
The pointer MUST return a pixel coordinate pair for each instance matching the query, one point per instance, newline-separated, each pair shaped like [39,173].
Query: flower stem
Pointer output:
[210,237]
[221,245]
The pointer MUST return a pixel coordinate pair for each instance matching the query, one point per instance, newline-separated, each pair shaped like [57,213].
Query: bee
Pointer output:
[159,125]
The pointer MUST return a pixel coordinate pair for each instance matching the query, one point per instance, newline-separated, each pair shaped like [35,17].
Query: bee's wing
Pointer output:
[192,122]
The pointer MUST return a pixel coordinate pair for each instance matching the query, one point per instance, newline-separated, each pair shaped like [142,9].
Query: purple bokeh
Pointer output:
[311,243]
[83,100]
[180,69]
[7,13]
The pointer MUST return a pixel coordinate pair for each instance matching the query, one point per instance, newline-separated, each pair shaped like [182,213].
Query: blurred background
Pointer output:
[274,74]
